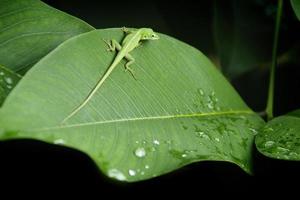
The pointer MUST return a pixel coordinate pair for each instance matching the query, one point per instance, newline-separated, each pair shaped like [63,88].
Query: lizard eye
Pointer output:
[153,35]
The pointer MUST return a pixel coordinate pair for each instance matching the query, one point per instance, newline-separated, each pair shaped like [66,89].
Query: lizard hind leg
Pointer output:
[112,45]
[130,61]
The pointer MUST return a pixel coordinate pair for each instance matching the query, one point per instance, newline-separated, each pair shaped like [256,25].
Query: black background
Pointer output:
[28,167]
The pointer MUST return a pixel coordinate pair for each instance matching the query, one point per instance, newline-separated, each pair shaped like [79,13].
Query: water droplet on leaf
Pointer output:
[131,172]
[269,144]
[293,154]
[59,141]
[8,80]
[156,142]
[114,173]
[140,152]
[283,150]
[210,105]
[201,92]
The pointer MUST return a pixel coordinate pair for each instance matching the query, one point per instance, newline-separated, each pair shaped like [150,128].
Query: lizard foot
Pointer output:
[130,71]
[110,47]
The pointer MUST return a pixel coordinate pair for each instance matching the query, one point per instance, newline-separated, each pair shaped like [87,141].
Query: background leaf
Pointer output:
[180,110]
[30,29]
[296,7]
[280,138]
[8,80]
[239,28]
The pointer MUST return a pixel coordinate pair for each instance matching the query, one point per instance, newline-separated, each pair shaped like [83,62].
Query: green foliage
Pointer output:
[296,7]
[8,80]
[30,29]
[280,138]
[239,29]
[180,110]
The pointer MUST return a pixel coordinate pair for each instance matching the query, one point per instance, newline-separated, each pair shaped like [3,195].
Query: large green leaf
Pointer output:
[240,27]
[179,110]
[296,7]
[30,29]
[8,80]
[280,138]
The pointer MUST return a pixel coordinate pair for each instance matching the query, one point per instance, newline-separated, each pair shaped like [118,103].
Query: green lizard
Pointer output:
[132,40]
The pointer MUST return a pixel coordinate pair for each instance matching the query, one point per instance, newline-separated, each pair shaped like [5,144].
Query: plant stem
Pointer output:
[216,41]
[269,108]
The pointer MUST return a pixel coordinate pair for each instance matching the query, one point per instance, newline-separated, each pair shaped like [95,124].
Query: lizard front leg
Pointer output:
[126,30]
[113,45]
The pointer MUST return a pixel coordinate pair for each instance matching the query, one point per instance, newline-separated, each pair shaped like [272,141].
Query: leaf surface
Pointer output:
[180,109]
[296,7]
[239,29]
[280,138]
[8,80]
[30,29]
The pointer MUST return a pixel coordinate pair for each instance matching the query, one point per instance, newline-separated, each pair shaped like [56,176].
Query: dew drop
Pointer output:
[184,155]
[269,144]
[147,167]
[283,150]
[217,139]
[131,172]
[156,142]
[210,105]
[8,80]
[201,134]
[206,136]
[201,92]
[114,173]
[293,154]
[254,131]
[269,129]
[2,73]
[140,152]
[59,141]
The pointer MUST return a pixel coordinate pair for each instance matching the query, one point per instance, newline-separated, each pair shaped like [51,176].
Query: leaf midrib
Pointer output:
[237,112]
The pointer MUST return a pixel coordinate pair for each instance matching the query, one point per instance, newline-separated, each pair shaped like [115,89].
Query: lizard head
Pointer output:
[148,34]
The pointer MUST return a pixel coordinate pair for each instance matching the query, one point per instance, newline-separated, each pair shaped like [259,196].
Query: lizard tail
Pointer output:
[93,91]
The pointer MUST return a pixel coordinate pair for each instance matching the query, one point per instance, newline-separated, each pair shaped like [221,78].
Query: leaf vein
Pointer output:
[31,34]
[237,112]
